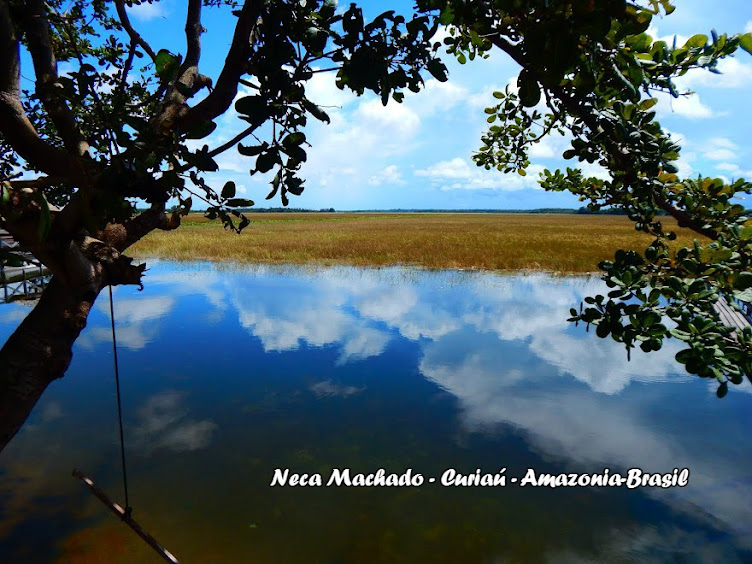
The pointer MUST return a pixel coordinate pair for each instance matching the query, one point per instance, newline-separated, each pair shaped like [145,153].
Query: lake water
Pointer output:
[230,373]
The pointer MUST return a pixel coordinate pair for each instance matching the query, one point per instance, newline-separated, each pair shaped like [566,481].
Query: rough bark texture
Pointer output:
[40,350]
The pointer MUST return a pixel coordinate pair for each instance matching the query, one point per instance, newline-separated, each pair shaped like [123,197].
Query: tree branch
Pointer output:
[683,218]
[132,33]
[41,182]
[239,137]
[123,81]
[226,87]
[193,31]
[48,88]
[123,235]
[14,123]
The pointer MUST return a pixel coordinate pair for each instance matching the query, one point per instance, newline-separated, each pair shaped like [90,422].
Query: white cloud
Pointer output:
[436,97]
[734,74]
[321,89]
[723,142]
[684,164]
[727,166]
[735,170]
[484,98]
[544,149]
[316,318]
[396,118]
[459,174]
[357,147]
[720,149]
[136,321]
[145,12]
[388,175]
[594,170]
[720,154]
[689,106]
[327,388]
[456,168]
[163,425]
[748,27]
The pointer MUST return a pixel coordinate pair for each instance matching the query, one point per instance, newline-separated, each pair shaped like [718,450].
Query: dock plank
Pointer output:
[730,316]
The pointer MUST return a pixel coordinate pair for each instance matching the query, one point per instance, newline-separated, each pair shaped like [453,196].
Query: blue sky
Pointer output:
[418,154]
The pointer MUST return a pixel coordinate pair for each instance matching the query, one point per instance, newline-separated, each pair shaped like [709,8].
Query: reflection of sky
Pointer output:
[500,345]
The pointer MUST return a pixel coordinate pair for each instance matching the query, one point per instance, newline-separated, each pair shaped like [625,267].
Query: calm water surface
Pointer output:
[229,373]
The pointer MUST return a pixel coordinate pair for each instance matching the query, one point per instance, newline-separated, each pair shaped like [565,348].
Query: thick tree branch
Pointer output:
[48,88]
[684,219]
[193,31]
[123,235]
[41,182]
[15,126]
[226,87]
[132,33]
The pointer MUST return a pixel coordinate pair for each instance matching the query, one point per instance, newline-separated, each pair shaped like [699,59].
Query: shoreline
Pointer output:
[556,244]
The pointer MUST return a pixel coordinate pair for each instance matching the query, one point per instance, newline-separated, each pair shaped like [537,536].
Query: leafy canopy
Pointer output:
[589,70]
[124,124]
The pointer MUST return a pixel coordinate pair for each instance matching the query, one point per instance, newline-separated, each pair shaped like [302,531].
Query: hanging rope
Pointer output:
[124,514]
[128,508]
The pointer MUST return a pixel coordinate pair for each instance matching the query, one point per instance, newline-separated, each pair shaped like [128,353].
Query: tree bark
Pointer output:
[41,350]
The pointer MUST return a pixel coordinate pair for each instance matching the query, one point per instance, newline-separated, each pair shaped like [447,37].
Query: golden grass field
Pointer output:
[550,242]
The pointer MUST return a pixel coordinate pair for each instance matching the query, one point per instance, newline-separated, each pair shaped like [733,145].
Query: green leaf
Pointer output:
[602,330]
[201,160]
[743,281]
[745,232]
[253,150]
[45,217]
[257,107]
[202,130]
[684,356]
[530,93]
[166,64]
[437,70]
[228,191]
[294,139]
[239,203]
[315,111]
[745,42]
[697,41]
[266,161]
[713,255]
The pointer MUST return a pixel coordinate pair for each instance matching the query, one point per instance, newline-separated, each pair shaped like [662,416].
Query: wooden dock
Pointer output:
[730,316]
[21,282]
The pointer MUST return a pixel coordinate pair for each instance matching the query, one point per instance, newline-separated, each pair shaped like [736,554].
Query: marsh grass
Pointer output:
[551,242]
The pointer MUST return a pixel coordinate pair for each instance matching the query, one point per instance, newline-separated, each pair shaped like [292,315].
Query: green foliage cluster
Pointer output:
[590,71]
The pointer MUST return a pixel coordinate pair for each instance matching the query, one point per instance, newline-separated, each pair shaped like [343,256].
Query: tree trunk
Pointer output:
[40,350]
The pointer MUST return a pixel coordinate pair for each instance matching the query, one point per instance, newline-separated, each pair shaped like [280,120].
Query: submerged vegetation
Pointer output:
[556,243]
